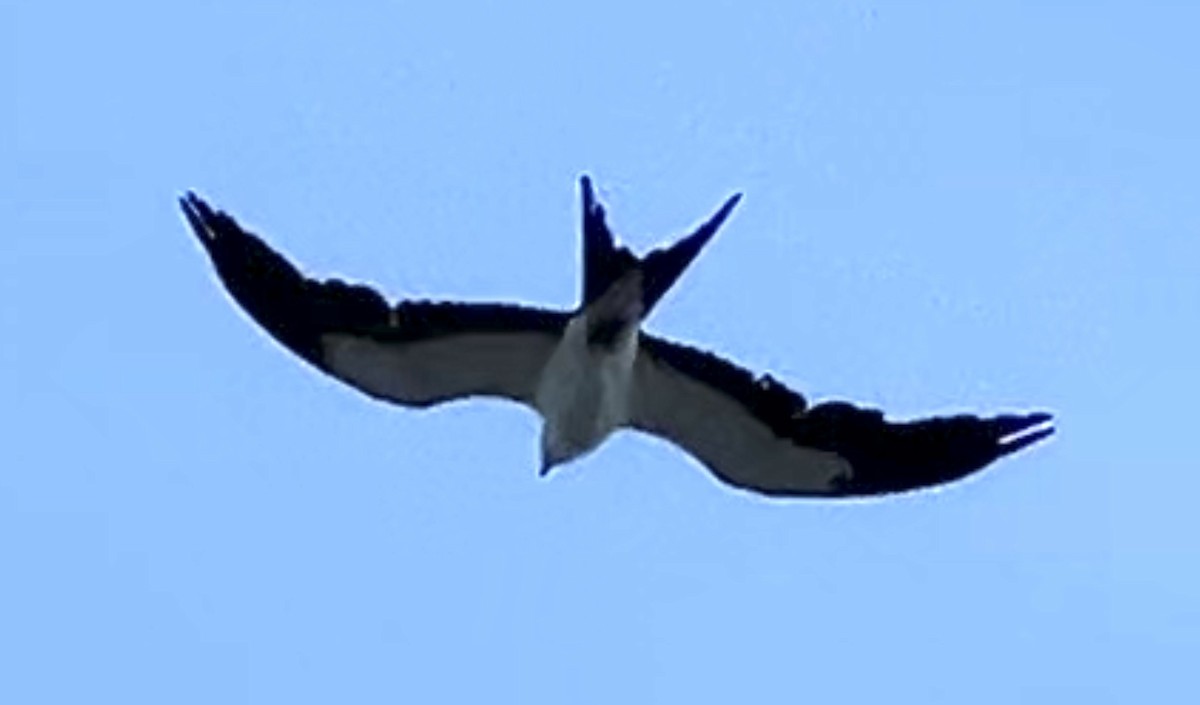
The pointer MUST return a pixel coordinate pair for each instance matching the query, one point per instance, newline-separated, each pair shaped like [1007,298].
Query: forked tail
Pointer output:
[604,262]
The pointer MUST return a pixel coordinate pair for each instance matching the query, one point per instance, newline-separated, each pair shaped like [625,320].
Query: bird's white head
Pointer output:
[557,449]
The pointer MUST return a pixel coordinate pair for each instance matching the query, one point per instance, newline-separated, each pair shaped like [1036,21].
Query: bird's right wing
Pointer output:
[756,434]
[415,353]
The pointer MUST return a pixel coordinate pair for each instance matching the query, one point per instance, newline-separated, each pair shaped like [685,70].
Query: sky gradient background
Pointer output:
[947,209]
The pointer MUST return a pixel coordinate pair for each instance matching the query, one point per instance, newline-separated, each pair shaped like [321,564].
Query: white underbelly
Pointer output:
[584,391]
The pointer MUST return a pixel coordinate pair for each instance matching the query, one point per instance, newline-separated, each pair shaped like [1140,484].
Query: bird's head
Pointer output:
[556,450]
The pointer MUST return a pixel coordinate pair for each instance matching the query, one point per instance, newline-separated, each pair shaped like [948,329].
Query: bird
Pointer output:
[592,370]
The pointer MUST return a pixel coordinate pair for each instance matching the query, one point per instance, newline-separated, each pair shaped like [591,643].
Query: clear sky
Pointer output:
[949,206]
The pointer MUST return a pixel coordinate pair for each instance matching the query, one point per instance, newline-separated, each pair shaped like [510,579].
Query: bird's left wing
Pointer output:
[756,434]
[415,353]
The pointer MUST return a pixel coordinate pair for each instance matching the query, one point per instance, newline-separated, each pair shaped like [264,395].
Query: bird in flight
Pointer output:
[593,370]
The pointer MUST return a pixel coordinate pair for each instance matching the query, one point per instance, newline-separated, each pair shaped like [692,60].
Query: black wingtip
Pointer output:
[1041,417]
[1016,424]
[215,229]
[265,284]
[1019,432]
[197,212]
[1010,446]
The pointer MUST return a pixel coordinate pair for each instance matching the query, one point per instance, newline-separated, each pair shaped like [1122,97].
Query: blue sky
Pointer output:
[947,208]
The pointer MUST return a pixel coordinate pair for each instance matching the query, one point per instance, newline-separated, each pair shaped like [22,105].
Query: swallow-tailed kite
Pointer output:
[593,370]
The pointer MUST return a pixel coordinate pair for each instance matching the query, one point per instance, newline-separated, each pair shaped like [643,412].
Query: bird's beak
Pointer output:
[544,470]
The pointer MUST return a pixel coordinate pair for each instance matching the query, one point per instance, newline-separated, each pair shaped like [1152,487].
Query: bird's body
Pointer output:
[583,393]
[594,370]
